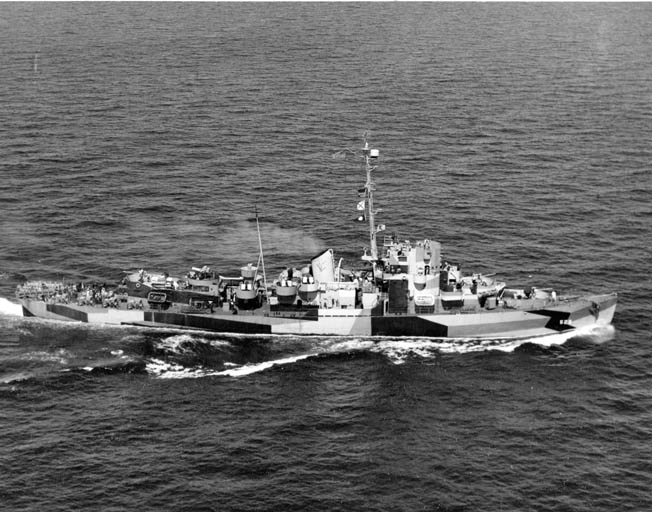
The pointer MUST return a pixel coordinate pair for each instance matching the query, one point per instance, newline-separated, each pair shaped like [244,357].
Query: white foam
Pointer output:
[10,308]
[398,350]
[166,370]
[159,367]
[177,343]
[259,367]
[14,377]
[344,346]
[60,356]
[602,333]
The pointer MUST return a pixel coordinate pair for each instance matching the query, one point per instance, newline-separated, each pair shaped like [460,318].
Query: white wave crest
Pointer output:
[165,370]
[176,344]
[345,346]
[184,343]
[399,350]
[14,377]
[259,367]
[61,356]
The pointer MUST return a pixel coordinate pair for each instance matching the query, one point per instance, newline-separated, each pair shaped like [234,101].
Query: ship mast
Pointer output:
[261,259]
[370,157]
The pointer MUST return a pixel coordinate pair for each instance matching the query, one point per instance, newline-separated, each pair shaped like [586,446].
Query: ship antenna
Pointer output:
[370,156]
[260,256]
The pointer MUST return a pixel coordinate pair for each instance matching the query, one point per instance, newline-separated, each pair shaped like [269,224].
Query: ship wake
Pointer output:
[83,349]
[190,356]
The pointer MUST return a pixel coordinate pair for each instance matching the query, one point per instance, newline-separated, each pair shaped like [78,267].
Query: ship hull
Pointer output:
[568,315]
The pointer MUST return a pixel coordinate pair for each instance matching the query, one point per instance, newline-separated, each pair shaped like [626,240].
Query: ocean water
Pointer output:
[145,135]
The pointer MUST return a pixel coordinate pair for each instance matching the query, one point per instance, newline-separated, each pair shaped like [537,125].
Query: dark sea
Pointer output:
[145,135]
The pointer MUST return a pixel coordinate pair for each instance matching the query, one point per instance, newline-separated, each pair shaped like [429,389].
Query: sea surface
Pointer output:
[145,135]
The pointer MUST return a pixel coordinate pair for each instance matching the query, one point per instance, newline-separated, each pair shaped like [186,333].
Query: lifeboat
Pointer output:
[308,289]
[246,293]
[286,291]
[419,281]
